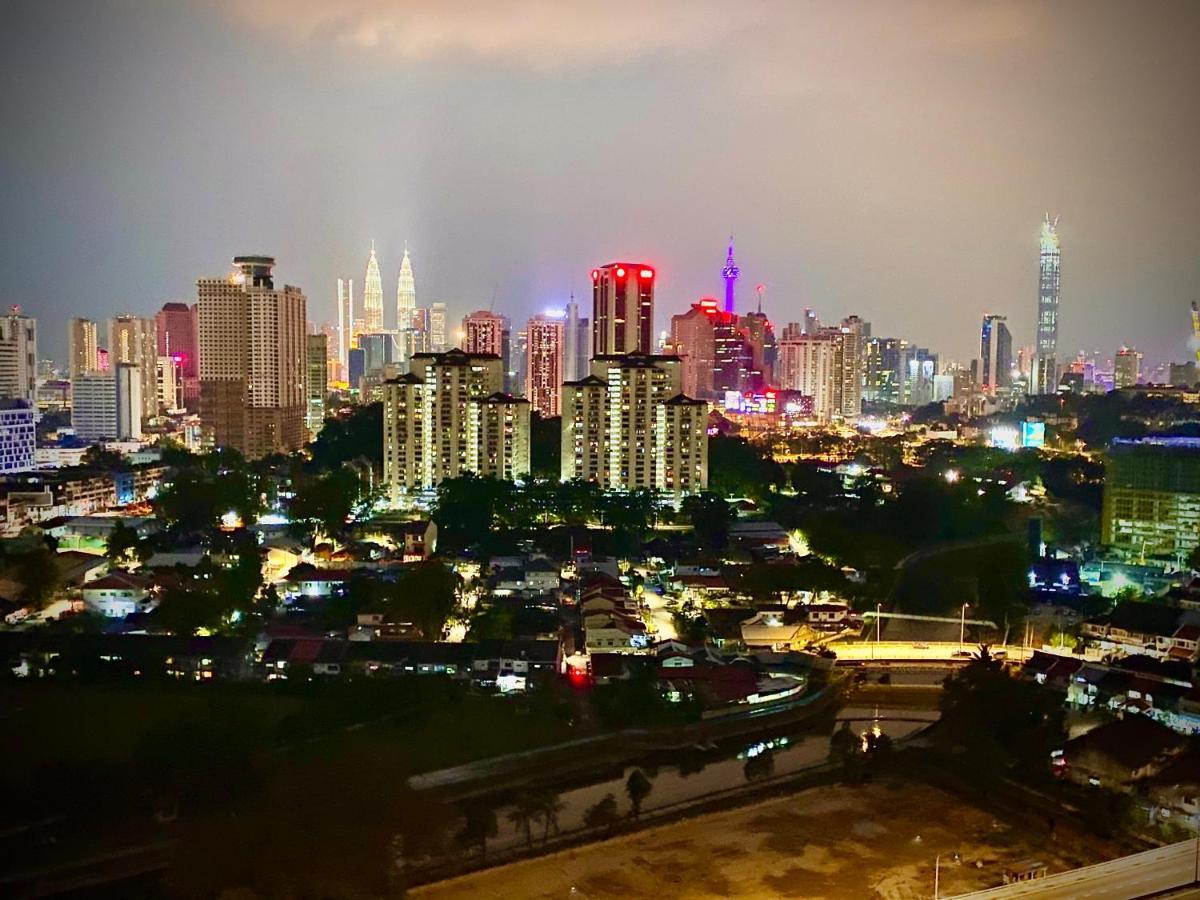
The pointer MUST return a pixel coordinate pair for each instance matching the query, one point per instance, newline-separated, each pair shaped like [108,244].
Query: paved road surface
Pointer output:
[1140,875]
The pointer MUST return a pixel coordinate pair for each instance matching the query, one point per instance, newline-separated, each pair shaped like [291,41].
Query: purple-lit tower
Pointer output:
[730,274]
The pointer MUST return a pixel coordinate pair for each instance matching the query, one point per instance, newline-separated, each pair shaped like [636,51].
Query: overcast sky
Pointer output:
[889,159]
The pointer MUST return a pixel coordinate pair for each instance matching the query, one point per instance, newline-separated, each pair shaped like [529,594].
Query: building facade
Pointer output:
[18,357]
[83,342]
[995,355]
[177,328]
[1152,498]
[483,333]
[372,295]
[544,370]
[622,309]
[252,360]
[1045,376]
[18,436]
[1127,368]
[134,340]
[316,382]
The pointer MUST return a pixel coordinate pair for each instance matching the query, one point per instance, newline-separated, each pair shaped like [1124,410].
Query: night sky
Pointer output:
[890,159]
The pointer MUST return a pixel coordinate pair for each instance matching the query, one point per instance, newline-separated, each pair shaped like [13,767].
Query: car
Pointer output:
[920,645]
[961,654]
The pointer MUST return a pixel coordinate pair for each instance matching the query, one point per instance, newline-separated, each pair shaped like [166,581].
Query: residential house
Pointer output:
[1120,753]
[118,594]
[420,539]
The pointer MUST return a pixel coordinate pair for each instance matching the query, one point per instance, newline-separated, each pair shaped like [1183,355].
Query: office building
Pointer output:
[995,355]
[406,295]
[345,326]
[693,341]
[316,382]
[1183,374]
[372,295]
[82,344]
[885,366]
[577,343]
[94,407]
[18,357]
[544,379]
[1045,376]
[443,419]
[385,348]
[18,436]
[622,309]
[1151,505]
[177,331]
[920,377]
[252,360]
[437,329]
[732,356]
[356,368]
[133,340]
[1127,368]
[759,336]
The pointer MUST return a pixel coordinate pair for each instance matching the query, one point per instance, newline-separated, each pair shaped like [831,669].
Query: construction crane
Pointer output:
[1196,328]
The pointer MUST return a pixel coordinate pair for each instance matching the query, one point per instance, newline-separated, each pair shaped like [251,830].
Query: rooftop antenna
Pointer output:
[492,305]
[760,289]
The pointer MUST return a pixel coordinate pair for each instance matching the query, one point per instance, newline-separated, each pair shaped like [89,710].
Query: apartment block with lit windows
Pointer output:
[1152,498]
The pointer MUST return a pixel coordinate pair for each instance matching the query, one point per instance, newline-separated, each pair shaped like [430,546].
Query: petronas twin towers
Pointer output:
[406,294]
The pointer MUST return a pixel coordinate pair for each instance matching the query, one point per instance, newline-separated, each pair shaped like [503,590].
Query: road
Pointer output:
[906,650]
[1140,875]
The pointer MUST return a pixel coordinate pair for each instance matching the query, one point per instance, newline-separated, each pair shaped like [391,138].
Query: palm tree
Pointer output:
[549,806]
[523,813]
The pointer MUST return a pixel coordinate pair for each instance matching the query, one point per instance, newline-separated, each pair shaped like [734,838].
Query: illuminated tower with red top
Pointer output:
[622,309]
[730,273]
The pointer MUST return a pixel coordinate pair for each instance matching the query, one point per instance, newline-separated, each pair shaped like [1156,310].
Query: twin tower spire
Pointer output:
[406,293]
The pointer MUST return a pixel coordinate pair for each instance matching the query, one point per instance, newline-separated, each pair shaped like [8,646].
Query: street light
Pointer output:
[937,867]
[962,626]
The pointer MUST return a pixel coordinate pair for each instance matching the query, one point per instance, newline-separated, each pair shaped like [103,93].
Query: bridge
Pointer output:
[921,651]
[1153,872]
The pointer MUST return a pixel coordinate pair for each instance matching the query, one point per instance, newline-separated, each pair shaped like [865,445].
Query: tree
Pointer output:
[426,595]
[548,806]
[122,543]
[603,814]
[545,446]
[710,516]
[638,787]
[323,504]
[493,623]
[522,815]
[738,468]
[39,574]
[479,824]
[1194,559]
[352,434]
[99,457]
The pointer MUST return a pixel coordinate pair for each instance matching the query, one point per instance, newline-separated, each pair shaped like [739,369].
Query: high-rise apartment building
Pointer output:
[18,357]
[850,341]
[759,336]
[517,359]
[1045,379]
[18,436]
[732,356]
[178,334]
[437,328]
[82,343]
[134,340]
[130,406]
[406,294]
[1152,498]
[577,343]
[168,383]
[372,295]
[483,332]
[808,364]
[622,309]
[447,417]
[995,355]
[885,368]
[1127,368]
[107,406]
[316,382]
[544,379]
[614,434]
[252,359]
[693,341]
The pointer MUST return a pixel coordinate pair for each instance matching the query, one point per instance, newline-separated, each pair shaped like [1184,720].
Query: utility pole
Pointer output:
[962,626]
[937,871]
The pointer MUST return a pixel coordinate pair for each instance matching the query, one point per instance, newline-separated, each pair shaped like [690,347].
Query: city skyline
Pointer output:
[919,224]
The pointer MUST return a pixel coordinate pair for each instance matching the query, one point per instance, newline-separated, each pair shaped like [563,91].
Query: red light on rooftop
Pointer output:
[647,273]
[595,274]
[620,273]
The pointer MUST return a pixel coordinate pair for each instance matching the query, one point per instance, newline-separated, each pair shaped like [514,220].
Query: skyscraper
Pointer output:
[1046,365]
[730,273]
[577,340]
[693,341]
[130,404]
[372,295]
[134,340]
[543,383]
[316,381]
[345,326]
[406,294]
[252,359]
[18,357]
[808,365]
[83,342]
[1127,368]
[177,328]
[995,355]
[622,309]
[850,343]
[437,328]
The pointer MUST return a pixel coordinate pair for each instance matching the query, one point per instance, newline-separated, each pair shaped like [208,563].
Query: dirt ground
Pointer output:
[875,841]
